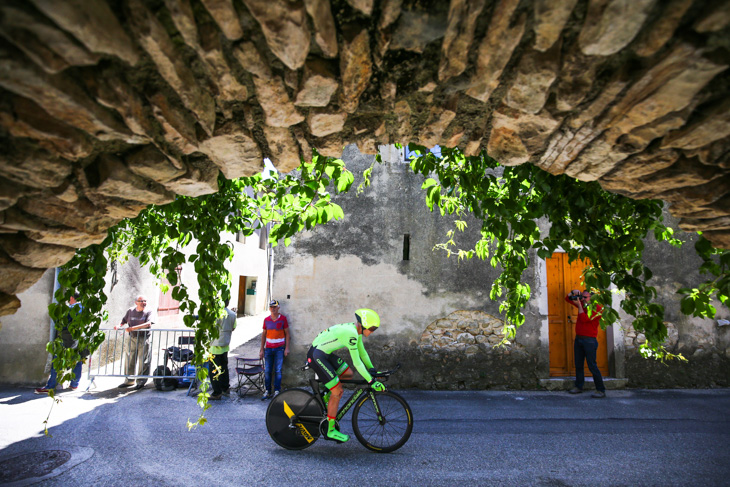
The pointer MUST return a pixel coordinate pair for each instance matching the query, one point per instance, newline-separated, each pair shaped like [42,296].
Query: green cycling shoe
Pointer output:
[333,434]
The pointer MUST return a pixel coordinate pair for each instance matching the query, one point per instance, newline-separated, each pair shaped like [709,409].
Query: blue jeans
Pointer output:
[585,348]
[51,384]
[273,360]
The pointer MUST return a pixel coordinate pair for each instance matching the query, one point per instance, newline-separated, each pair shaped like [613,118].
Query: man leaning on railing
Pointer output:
[137,320]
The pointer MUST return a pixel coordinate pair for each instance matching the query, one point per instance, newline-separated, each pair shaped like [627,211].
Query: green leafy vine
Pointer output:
[584,220]
[159,235]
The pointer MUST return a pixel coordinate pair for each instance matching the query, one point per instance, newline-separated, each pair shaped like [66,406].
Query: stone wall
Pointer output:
[107,107]
[437,319]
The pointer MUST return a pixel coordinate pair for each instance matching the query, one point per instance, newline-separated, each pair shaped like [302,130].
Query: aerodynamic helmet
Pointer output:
[367,318]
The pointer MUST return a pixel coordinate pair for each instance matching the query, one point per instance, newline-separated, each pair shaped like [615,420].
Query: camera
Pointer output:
[575,297]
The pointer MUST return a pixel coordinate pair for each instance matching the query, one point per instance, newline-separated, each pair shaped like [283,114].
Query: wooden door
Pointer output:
[241,295]
[561,278]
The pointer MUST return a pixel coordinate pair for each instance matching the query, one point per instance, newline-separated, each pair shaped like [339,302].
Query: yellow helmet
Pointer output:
[367,318]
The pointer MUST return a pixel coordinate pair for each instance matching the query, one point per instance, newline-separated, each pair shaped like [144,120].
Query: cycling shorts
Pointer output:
[328,366]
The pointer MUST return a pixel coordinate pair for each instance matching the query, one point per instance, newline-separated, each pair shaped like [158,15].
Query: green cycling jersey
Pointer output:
[345,335]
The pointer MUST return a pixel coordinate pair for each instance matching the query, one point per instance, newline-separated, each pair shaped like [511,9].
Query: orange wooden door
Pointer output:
[561,278]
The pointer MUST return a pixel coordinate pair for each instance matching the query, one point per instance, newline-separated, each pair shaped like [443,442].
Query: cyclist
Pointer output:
[330,367]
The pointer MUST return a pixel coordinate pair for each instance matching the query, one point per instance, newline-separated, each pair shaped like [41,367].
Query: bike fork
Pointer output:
[381,418]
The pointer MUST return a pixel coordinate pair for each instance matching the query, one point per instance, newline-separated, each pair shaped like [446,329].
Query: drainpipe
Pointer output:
[52,331]
[270,273]
[56,287]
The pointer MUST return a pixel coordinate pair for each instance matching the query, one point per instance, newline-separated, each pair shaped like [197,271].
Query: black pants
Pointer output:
[221,383]
[585,349]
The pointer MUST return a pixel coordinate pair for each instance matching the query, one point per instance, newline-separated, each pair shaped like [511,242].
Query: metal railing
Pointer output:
[169,352]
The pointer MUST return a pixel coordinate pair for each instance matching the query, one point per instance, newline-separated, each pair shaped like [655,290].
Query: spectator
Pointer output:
[137,320]
[585,345]
[219,349]
[68,342]
[274,347]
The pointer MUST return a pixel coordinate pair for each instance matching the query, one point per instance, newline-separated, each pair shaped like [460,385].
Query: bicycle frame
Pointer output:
[363,388]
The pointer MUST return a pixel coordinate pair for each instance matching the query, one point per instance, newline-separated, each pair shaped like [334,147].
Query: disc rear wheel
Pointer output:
[304,408]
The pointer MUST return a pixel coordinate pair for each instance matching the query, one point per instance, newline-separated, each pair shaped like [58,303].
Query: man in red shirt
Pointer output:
[274,347]
[585,345]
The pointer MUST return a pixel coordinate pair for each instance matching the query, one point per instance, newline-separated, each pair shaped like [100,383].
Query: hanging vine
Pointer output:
[584,220]
[158,237]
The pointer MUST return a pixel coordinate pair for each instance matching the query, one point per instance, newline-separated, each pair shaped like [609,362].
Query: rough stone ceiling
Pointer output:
[108,106]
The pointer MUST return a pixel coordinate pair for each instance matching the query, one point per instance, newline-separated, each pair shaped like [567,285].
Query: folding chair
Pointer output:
[250,375]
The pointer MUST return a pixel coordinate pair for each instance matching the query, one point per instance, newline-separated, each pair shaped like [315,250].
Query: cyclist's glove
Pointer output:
[373,371]
[377,386]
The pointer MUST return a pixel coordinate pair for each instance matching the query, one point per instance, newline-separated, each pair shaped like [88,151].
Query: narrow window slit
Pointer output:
[407,246]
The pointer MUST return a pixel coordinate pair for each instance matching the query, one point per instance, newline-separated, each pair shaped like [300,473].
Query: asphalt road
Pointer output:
[139,438]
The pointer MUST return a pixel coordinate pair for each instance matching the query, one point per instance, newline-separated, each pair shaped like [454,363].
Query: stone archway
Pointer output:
[107,107]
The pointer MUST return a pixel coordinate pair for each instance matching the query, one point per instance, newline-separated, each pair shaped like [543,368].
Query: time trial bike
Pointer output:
[382,421]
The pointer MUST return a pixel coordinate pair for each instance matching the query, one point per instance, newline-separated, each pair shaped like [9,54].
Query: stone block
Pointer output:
[610,25]
[11,192]
[93,23]
[331,146]
[322,123]
[117,181]
[432,132]
[550,19]
[178,126]
[535,75]
[111,90]
[415,29]
[35,168]
[655,35]
[325,33]
[148,162]
[364,6]
[284,25]
[201,178]
[667,87]
[234,151]
[275,102]
[49,47]
[459,37]
[226,17]
[67,237]
[171,65]
[60,96]
[16,277]
[30,253]
[465,338]
[284,151]
[317,86]
[28,120]
[355,66]
[716,19]
[516,135]
[711,126]
[9,304]
[495,49]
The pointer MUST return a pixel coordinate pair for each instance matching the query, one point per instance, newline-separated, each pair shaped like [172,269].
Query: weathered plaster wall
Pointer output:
[438,320]
[24,335]
[705,344]
[358,262]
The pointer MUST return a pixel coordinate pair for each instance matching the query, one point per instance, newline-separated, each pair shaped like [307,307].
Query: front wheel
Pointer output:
[292,419]
[382,422]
